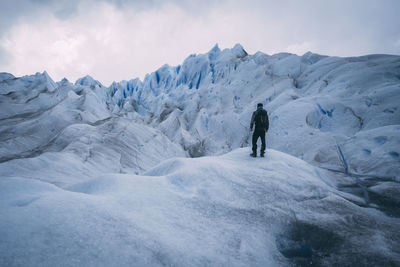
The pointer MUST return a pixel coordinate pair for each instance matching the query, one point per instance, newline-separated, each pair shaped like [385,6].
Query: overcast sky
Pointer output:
[114,40]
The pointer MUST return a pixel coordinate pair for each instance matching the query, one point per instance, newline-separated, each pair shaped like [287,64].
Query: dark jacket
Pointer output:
[262,123]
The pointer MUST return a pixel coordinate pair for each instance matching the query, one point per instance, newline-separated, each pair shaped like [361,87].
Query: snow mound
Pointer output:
[218,211]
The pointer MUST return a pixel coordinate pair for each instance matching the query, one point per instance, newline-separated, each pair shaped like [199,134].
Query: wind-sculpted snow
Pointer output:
[97,176]
[315,103]
[211,211]
[48,131]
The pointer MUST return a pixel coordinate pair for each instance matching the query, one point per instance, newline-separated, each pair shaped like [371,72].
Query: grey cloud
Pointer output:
[15,11]
[332,27]
[336,25]
[4,58]
[195,7]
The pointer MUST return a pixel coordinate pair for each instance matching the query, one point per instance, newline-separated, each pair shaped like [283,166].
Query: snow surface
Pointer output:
[67,128]
[97,176]
[317,105]
[220,211]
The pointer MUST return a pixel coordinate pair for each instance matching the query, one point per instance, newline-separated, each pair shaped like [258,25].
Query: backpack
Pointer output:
[261,119]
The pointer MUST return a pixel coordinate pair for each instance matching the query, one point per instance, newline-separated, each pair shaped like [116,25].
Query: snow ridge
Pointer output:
[315,104]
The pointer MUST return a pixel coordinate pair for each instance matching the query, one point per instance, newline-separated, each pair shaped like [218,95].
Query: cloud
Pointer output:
[110,42]
[121,39]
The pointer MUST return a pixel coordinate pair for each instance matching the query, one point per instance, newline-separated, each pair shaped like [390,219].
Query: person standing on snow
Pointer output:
[260,119]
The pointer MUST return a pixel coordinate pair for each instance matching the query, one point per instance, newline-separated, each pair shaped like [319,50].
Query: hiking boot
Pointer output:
[262,155]
[253,155]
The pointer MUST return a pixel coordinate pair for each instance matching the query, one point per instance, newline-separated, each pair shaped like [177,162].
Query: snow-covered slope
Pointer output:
[212,211]
[49,131]
[338,113]
[97,176]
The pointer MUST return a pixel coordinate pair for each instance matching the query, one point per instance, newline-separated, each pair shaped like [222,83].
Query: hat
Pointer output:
[259,105]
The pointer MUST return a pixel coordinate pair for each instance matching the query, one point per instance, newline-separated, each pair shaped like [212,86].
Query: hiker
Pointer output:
[260,119]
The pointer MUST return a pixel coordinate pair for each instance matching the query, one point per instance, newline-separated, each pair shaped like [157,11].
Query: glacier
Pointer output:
[318,106]
[157,172]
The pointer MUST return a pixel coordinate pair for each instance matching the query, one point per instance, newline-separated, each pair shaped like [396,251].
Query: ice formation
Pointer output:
[157,172]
